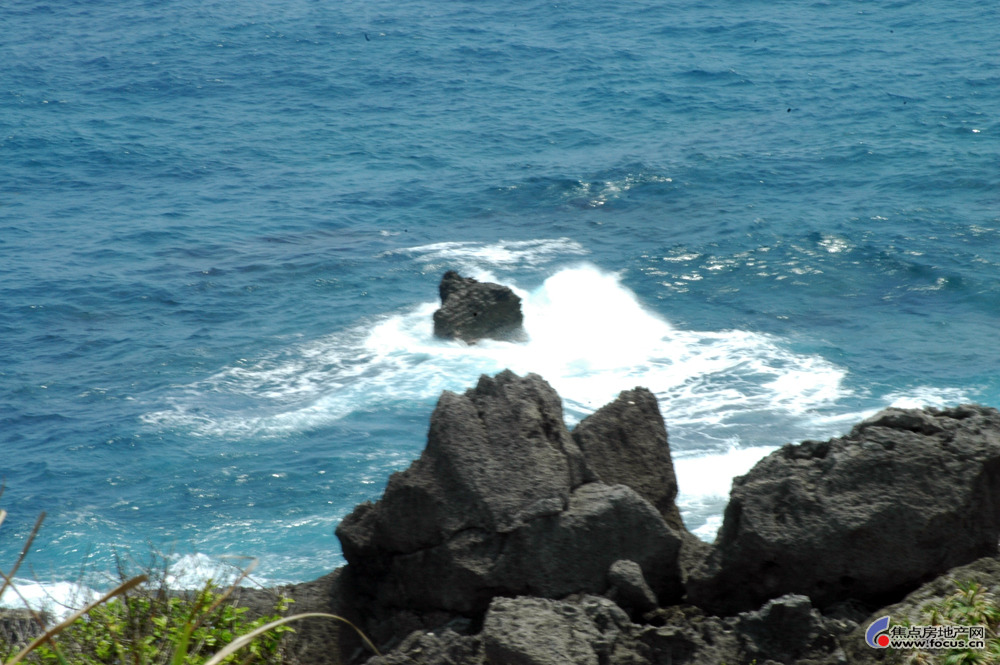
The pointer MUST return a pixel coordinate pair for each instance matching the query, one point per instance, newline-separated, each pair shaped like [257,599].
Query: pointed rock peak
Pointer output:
[501,503]
[626,442]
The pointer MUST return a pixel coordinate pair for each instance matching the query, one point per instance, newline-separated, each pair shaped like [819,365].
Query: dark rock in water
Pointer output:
[472,310]
[907,495]
[502,503]
[626,442]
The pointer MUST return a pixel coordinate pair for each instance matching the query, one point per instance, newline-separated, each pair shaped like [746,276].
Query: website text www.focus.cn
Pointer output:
[881,635]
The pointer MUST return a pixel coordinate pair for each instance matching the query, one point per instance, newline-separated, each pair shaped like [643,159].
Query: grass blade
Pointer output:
[37,616]
[244,640]
[58,628]
[24,550]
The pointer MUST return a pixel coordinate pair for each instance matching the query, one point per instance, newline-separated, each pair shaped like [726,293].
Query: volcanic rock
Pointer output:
[472,310]
[786,629]
[629,588]
[502,503]
[537,631]
[626,442]
[18,627]
[907,495]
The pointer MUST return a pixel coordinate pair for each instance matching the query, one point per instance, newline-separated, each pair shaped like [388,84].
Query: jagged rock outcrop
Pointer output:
[584,630]
[591,630]
[626,442]
[787,630]
[907,495]
[472,310]
[629,589]
[502,502]
[512,541]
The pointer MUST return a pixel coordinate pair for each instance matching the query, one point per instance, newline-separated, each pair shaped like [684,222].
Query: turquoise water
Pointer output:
[222,225]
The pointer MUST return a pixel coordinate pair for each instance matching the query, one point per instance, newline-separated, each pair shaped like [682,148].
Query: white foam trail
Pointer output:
[922,396]
[588,336]
[473,258]
[192,571]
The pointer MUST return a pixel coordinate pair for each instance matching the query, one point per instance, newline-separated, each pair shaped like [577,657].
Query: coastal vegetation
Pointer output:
[972,604]
[143,621]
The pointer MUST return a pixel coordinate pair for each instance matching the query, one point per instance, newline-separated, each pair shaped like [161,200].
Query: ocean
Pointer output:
[222,226]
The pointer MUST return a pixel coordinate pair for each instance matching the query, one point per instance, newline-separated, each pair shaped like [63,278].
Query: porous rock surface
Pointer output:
[905,496]
[502,502]
[511,541]
[626,442]
[472,310]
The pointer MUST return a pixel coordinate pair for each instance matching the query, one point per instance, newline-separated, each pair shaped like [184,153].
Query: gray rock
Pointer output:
[472,310]
[493,455]
[626,442]
[688,637]
[318,640]
[572,552]
[785,629]
[907,495]
[629,588]
[537,631]
[445,647]
[18,627]
[501,502]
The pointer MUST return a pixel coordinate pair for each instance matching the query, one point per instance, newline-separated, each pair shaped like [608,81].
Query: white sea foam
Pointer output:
[58,599]
[704,482]
[588,336]
[472,258]
[727,396]
[184,572]
[922,396]
[192,571]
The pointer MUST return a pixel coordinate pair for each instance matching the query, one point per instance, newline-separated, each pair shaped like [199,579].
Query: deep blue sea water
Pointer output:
[222,225]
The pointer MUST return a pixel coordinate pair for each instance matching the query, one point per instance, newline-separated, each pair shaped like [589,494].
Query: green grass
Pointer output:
[147,627]
[971,604]
[144,622]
